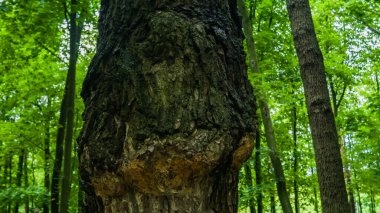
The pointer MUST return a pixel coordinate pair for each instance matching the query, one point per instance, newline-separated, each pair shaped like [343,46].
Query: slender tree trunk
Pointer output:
[350,191]
[373,205]
[248,180]
[19,176]
[170,114]
[325,137]
[5,178]
[351,199]
[358,191]
[80,198]
[377,81]
[56,177]
[265,114]
[258,171]
[67,167]
[336,101]
[360,202]
[295,162]
[47,161]
[272,202]
[316,206]
[10,180]
[26,182]
[295,149]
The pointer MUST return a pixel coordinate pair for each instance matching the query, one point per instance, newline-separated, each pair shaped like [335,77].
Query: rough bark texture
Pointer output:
[323,129]
[170,114]
[265,114]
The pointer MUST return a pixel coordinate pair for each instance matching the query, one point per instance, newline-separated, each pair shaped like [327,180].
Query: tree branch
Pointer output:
[341,95]
[371,28]
[51,52]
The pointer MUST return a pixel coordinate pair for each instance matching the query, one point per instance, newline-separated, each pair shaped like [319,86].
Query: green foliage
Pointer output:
[33,65]
[346,31]
[21,194]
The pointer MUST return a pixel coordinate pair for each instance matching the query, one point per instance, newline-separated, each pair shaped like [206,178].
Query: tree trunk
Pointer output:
[10,180]
[170,113]
[272,202]
[248,181]
[75,32]
[295,148]
[265,114]
[358,191]
[58,156]
[258,171]
[295,162]
[19,176]
[351,199]
[316,206]
[324,134]
[26,183]
[373,205]
[47,166]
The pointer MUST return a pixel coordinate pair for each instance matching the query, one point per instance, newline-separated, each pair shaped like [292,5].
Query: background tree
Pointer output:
[324,133]
[265,113]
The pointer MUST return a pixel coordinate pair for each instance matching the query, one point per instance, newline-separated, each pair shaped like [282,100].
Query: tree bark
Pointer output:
[265,114]
[324,134]
[170,113]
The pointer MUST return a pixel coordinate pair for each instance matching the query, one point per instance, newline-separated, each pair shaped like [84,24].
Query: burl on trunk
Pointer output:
[170,115]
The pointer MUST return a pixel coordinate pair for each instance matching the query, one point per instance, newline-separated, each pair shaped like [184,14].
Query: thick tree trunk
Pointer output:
[325,138]
[265,114]
[170,114]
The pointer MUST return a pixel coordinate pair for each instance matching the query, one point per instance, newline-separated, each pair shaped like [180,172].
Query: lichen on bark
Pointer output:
[170,114]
